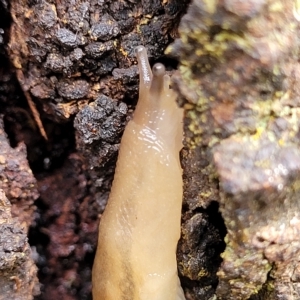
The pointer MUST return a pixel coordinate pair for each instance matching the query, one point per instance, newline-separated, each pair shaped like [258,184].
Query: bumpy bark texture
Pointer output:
[73,51]
[238,75]
[17,180]
[237,79]
[17,269]
[99,127]
[76,57]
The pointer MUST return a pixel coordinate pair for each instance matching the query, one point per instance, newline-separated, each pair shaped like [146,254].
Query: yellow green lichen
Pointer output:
[202,273]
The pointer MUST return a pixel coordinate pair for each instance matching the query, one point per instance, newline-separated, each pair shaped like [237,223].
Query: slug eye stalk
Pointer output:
[157,84]
[144,68]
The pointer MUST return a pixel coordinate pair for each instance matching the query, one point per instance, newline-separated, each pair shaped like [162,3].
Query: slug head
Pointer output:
[156,108]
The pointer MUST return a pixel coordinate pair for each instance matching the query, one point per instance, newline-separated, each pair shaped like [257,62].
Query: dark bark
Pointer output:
[69,58]
[238,79]
[18,271]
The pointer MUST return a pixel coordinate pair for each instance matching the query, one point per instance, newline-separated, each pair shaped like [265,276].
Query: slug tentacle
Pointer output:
[144,68]
[157,84]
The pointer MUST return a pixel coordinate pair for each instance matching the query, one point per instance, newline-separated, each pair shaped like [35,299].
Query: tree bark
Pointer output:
[238,82]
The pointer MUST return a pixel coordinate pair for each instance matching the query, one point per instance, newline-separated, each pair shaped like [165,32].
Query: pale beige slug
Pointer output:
[140,228]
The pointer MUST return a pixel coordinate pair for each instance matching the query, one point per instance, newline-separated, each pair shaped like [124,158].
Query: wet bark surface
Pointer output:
[18,190]
[67,59]
[238,81]
[68,86]
[17,269]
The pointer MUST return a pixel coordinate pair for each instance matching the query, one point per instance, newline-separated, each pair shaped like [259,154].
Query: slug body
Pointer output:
[140,228]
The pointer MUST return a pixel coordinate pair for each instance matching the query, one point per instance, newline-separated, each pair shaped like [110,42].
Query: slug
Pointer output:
[140,227]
